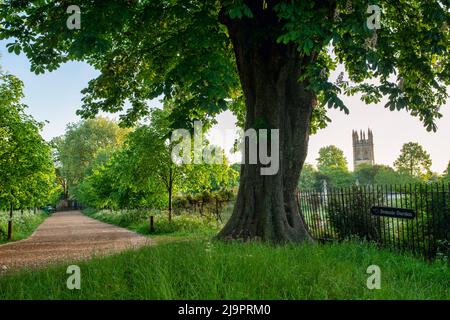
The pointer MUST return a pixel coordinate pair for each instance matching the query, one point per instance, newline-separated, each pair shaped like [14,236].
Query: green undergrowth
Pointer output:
[182,227]
[24,224]
[216,270]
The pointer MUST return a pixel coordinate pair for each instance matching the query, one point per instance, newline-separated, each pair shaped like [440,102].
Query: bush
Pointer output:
[205,203]
[350,216]
[432,224]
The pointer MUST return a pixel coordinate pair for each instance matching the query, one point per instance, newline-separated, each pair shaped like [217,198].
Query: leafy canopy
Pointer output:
[379,174]
[307,177]
[179,49]
[141,173]
[331,157]
[77,149]
[27,175]
[414,160]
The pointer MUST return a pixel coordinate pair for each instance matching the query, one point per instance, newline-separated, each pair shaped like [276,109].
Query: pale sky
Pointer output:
[55,96]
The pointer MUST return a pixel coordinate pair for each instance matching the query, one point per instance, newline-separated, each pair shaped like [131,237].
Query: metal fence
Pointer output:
[404,217]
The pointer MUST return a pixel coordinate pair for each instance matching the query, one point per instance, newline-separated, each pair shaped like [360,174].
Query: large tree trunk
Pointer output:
[266,206]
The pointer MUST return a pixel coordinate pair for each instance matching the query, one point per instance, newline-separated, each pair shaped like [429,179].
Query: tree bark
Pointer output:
[170,194]
[10,223]
[266,207]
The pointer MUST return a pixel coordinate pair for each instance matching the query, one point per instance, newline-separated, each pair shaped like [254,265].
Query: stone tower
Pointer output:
[363,148]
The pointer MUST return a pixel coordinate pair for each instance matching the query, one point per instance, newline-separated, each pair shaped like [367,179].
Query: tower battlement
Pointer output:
[363,148]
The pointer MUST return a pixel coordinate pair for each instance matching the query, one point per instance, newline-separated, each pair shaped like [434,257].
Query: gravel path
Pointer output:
[67,236]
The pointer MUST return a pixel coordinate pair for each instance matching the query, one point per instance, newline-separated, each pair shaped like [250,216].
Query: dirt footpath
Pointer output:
[67,236]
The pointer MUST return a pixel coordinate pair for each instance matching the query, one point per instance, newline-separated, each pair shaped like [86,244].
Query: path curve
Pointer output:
[68,236]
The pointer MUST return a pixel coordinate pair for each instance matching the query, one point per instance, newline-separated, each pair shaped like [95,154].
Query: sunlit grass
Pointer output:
[182,227]
[217,270]
[24,224]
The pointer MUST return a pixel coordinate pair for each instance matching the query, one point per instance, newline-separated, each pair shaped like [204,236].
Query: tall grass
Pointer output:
[24,224]
[183,225]
[217,270]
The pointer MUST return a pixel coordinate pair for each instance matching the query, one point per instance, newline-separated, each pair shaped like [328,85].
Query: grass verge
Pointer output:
[217,270]
[183,227]
[24,224]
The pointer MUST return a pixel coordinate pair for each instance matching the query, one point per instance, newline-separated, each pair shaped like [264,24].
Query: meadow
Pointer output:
[202,269]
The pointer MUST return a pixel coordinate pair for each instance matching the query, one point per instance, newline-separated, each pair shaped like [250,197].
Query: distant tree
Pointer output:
[336,177]
[446,174]
[414,160]
[367,174]
[153,153]
[331,157]
[151,150]
[307,179]
[142,174]
[388,176]
[433,177]
[117,181]
[56,144]
[77,149]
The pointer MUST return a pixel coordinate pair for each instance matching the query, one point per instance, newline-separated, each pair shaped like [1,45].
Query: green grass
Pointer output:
[182,227]
[24,224]
[217,270]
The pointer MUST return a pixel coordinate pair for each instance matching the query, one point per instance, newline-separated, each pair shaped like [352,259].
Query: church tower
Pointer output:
[363,148]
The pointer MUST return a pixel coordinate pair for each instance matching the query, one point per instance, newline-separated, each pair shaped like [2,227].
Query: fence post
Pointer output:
[152,226]
[10,222]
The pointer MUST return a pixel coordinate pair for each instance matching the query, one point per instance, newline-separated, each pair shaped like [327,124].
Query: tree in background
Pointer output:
[152,152]
[414,160]
[307,179]
[55,144]
[76,150]
[365,173]
[332,168]
[141,173]
[331,157]
[368,174]
[335,178]
[272,59]
[27,175]
[446,174]
[119,183]
[386,175]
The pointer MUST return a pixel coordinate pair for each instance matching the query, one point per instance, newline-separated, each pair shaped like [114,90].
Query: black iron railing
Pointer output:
[366,212]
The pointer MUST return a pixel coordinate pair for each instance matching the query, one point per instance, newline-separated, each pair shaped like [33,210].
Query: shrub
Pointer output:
[205,202]
[432,224]
[350,216]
